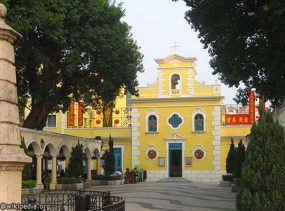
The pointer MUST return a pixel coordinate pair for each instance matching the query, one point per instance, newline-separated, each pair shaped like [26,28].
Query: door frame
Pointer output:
[122,156]
[167,156]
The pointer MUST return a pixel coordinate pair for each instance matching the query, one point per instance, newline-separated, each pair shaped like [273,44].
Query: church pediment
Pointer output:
[175,137]
[175,59]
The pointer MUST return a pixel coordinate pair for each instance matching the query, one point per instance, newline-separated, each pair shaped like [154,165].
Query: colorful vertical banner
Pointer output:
[71,114]
[80,113]
[251,107]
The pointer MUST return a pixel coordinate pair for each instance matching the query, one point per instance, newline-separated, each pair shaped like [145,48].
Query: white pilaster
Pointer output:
[216,124]
[135,137]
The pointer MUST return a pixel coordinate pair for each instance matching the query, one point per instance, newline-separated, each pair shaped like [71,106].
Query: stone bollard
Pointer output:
[12,157]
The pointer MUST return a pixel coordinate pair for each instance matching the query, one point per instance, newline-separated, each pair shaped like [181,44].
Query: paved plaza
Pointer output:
[173,195]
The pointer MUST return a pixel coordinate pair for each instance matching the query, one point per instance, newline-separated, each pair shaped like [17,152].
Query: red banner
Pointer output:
[71,114]
[251,107]
[237,119]
[80,113]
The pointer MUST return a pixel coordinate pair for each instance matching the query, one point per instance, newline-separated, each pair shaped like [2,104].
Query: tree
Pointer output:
[230,158]
[70,51]
[246,40]
[262,175]
[239,157]
[28,167]
[75,166]
[109,164]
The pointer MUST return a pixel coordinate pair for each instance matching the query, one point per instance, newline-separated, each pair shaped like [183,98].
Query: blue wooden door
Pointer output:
[175,159]
[118,159]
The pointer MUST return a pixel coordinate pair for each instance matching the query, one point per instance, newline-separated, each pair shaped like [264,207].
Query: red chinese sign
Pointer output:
[237,119]
[80,114]
[71,114]
[251,107]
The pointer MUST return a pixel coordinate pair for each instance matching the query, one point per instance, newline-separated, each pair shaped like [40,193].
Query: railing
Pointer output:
[175,91]
[70,200]
[119,117]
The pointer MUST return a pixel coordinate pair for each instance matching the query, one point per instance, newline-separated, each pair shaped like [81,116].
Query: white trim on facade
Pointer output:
[199,146]
[171,116]
[122,156]
[180,83]
[135,137]
[167,156]
[152,147]
[198,111]
[216,124]
[149,113]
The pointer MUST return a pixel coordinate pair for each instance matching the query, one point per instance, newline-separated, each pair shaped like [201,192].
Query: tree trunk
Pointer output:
[36,118]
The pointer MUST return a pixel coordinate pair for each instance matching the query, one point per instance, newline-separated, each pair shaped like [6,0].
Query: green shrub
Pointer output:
[109,159]
[69,180]
[239,159]
[230,162]
[75,166]
[228,177]
[236,181]
[264,167]
[106,177]
[28,183]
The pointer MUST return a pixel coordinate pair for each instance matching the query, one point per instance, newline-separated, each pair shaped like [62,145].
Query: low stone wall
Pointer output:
[106,182]
[76,186]
[203,176]
[156,175]
[194,176]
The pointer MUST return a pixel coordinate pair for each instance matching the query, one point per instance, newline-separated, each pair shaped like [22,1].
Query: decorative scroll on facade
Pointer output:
[80,114]
[71,114]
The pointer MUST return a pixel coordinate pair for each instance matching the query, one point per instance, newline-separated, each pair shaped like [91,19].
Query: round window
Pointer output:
[199,154]
[151,154]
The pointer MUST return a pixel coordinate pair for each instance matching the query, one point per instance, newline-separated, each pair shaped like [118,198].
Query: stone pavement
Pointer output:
[173,194]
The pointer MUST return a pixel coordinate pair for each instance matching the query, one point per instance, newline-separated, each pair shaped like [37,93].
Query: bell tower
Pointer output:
[176,76]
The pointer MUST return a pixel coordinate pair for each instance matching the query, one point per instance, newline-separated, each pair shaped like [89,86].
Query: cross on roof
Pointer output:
[175,46]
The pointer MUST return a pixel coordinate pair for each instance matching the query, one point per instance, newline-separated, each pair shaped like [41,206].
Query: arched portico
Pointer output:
[50,154]
[35,152]
[97,157]
[88,157]
[50,150]
[63,157]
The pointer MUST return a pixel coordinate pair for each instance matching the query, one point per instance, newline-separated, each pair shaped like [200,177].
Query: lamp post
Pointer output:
[12,157]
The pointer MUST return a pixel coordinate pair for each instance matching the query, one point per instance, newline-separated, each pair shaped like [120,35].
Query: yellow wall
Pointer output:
[237,132]
[192,138]
[127,151]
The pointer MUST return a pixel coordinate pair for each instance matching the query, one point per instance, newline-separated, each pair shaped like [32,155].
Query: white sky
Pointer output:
[156,25]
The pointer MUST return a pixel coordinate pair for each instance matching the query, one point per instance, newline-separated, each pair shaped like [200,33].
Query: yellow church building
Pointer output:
[175,128]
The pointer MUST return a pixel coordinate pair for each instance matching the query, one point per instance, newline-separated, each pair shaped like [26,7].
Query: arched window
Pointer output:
[175,81]
[152,123]
[199,122]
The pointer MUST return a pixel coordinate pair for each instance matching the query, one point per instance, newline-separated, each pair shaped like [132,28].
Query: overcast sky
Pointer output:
[156,25]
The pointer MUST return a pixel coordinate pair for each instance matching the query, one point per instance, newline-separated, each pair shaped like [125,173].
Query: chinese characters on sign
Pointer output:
[71,114]
[251,107]
[80,113]
[237,119]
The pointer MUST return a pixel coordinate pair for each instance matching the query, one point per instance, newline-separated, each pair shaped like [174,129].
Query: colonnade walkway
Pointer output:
[51,153]
[174,195]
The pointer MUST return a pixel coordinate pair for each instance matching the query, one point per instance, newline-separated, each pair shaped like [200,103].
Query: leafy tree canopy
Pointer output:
[71,50]
[246,40]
